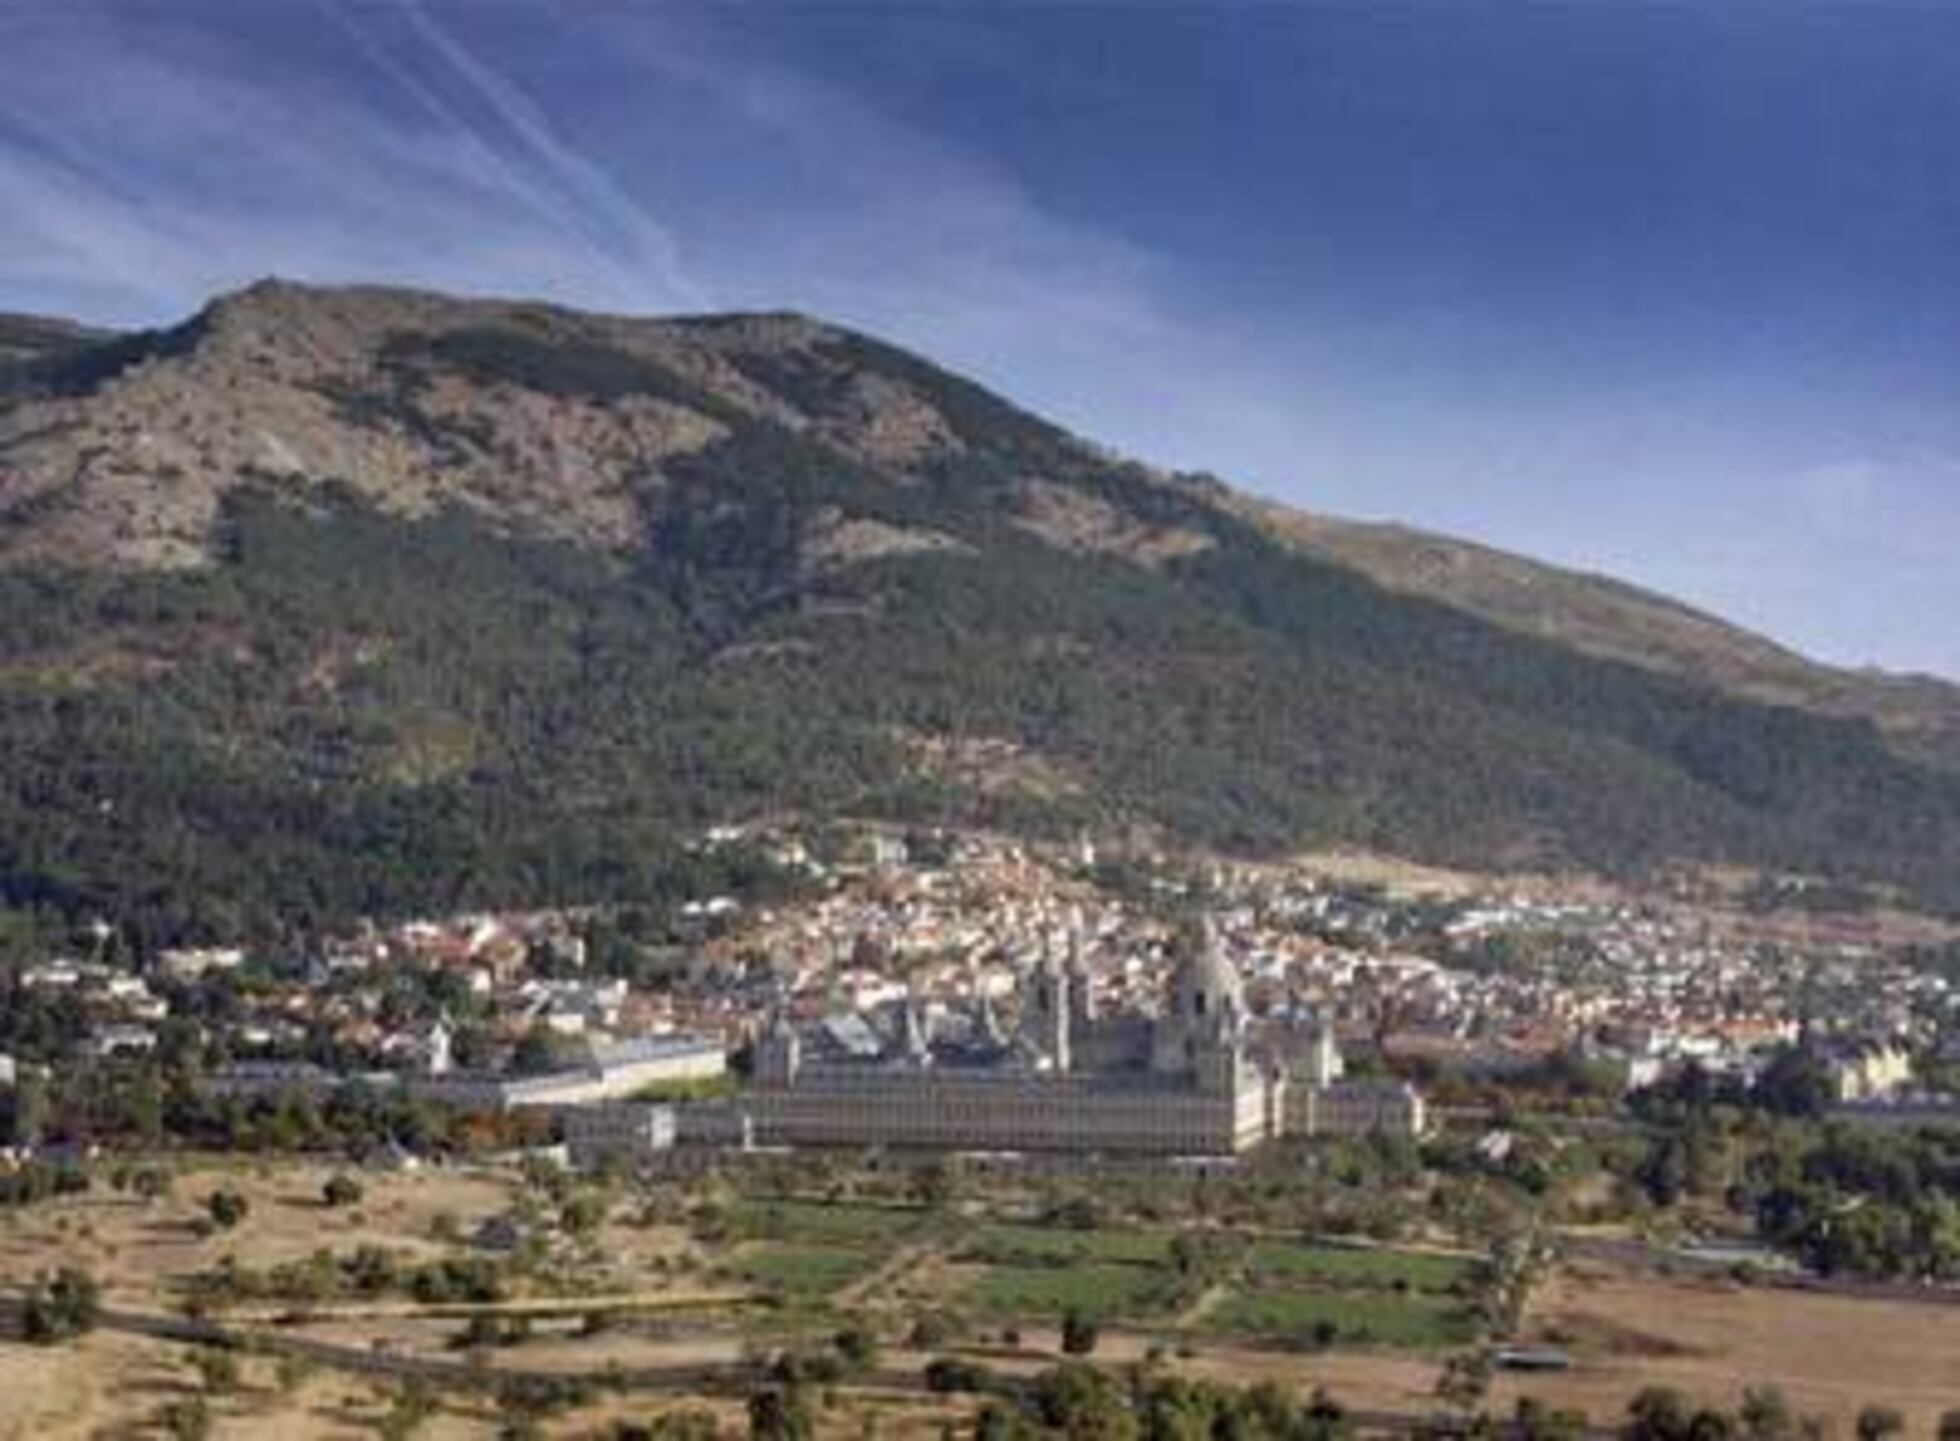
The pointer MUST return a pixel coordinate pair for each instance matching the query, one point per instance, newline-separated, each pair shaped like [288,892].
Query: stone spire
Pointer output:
[917,1050]
[1045,1010]
[1081,985]
[991,1033]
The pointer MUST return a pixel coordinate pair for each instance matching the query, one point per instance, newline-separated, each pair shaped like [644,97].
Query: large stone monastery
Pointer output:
[1192,1081]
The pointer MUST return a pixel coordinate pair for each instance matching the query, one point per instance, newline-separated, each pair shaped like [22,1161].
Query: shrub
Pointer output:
[226,1207]
[62,1307]
[1079,1333]
[947,1375]
[858,1347]
[341,1190]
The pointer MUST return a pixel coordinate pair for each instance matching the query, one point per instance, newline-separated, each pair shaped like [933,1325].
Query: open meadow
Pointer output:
[627,1291]
[508,1272]
[1711,1337]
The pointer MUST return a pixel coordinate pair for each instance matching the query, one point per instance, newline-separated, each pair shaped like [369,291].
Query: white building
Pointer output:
[628,1132]
[1070,1079]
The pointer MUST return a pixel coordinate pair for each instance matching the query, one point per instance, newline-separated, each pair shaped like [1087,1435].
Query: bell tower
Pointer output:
[1045,1010]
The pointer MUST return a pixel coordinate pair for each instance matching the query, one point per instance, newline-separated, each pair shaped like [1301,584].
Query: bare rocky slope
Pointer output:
[445,598]
[281,378]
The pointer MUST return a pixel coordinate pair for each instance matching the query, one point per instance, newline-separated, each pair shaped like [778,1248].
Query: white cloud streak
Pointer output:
[143,167]
[591,196]
[648,159]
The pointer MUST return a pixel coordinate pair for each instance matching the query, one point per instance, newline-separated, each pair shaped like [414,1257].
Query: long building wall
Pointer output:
[1354,1108]
[998,1114]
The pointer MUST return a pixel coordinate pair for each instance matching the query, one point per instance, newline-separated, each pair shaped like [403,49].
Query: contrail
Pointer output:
[547,207]
[592,192]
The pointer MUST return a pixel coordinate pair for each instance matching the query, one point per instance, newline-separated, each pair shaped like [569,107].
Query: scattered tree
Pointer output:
[1079,1332]
[226,1207]
[61,1307]
[341,1190]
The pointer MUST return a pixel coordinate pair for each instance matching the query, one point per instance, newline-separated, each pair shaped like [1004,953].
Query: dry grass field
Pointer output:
[1711,1338]
[133,1245]
[109,1385]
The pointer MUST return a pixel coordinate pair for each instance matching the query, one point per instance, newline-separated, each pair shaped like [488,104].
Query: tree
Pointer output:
[292,1373]
[1083,1402]
[1200,1255]
[1794,1083]
[227,1207]
[341,1190]
[934,1185]
[1658,1413]
[33,1107]
[1766,1414]
[1324,1418]
[1533,1420]
[217,1369]
[61,1307]
[188,1420]
[1875,1423]
[1265,1412]
[413,1404]
[1176,1409]
[948,1374]
[1079,1332]
[582,1213]
[1077,1213]
[1465,1378]
[997,1423]
[682,1424]
[858,1346]
[780,1413]
[535,1054]
[1950,1426]
[933,1329]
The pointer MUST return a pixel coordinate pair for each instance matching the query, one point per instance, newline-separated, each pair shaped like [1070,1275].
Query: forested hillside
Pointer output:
[510,599]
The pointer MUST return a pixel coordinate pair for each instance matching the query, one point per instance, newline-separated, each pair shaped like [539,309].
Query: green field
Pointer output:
[800,1272]
[821,1224]
[1008,1243]
[1360,1318]
[1111,1290]
[809,1250]
[1360,1268]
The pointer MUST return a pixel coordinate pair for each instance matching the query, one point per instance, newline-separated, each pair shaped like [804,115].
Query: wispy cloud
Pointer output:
[660,158]
[145,164]
[590,199]
[407,145]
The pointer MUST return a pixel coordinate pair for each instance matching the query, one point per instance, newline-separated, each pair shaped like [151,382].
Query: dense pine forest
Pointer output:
[353,711]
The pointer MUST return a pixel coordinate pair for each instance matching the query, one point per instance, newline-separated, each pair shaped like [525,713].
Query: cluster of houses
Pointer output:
[899,1000]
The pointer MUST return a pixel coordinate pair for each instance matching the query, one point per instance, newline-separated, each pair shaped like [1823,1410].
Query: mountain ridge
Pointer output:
[1485,579]
[471,598]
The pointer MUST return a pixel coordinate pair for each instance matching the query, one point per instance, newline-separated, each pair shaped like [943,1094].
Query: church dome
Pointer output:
[1205,984]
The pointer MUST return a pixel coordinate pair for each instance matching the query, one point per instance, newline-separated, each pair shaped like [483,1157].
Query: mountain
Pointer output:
[332,602]
[1603,617]
[31,337]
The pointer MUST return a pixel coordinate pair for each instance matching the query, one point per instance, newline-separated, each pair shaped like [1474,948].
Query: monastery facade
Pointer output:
[1188,1082]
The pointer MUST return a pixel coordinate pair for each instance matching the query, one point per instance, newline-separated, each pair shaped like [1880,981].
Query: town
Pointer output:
[1455,1136]
[893,941]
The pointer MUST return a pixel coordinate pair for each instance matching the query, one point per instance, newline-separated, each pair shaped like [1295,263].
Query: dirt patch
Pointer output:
[1599,1333]
[136,1248]
[837,540]
[1074,520]
[1831,1355]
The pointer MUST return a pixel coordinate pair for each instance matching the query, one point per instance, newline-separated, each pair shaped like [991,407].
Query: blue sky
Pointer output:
[1663,290]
